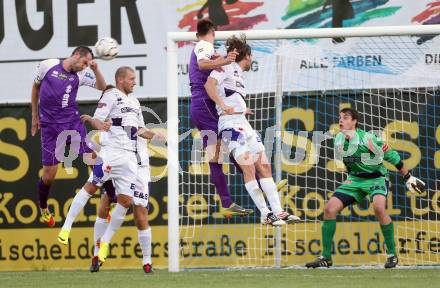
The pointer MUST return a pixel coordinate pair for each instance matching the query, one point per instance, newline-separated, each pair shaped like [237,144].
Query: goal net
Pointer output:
[298,83]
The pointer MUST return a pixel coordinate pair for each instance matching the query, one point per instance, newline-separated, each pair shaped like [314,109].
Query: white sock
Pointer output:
[145,243]
[270,189]
[78,204]
[257,196]
[118,216]
[99,229]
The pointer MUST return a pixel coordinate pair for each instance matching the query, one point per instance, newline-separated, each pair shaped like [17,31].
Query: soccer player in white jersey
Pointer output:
[140,210]
[118,152]
[226,88]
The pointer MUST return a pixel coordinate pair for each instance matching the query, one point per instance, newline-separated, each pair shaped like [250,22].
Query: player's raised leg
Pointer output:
[264,169]
[246,162]
[79,201]
[118,216]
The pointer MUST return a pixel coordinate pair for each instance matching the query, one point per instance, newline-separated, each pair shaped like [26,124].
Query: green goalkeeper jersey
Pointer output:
[364,153]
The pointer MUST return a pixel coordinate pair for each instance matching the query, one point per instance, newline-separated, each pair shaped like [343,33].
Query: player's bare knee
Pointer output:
[379,211]
[49,173]
[264,170]
[125,201]
[330,211]
[89,158]
[90,188]
[140,215]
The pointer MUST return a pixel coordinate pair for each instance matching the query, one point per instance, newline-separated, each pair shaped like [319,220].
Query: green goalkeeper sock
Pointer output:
[328,231]
[388,234]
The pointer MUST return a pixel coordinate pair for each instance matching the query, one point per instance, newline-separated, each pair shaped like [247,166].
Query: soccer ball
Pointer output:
[106,48]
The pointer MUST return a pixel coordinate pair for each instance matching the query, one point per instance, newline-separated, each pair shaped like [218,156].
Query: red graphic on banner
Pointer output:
[430,15]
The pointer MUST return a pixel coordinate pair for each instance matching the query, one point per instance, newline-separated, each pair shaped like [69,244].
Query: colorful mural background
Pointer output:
[142,26]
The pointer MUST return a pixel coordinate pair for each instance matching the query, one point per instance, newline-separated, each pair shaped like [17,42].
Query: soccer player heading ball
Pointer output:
[55,111]
[367,176]
[227,89]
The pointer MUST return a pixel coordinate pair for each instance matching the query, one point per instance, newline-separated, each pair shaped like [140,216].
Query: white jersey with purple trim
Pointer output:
[230,87]
[126,116]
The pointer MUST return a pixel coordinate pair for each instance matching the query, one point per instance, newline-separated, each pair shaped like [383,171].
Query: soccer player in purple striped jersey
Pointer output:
[203,112]
[54,110]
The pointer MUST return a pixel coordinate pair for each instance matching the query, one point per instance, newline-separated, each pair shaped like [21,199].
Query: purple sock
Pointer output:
[43,193]
[219,181]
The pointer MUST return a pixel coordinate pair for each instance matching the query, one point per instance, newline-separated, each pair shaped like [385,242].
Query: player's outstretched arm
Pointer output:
[412,183]
[35,118]
[96,123]
[211,89]
[100,81]
[218,62]
[150,134]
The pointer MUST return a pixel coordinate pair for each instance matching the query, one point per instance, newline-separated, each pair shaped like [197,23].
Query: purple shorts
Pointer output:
[204,116]
[73,133]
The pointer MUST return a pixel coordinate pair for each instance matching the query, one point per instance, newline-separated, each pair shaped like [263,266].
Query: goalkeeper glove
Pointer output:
[414,184]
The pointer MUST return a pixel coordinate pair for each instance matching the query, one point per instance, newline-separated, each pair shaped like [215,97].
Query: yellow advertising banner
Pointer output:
[235,245]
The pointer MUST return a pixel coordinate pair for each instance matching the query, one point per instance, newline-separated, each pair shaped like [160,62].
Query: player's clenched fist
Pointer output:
[232,56]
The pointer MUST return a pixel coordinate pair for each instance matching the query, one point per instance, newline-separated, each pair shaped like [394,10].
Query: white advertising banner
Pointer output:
[33,30]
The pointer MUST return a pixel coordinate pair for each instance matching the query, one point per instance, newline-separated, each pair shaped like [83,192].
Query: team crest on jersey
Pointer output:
[62,76]
[128,109]
[119,101]
[89,75]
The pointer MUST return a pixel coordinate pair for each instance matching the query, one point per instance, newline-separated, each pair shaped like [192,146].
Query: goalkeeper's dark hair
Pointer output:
[353,113]
[204,26]
[240,45]
[83,51]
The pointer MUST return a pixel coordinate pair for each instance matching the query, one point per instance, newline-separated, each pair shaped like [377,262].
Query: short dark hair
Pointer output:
[83,51]
[353,113]
[204,26]
[240,44]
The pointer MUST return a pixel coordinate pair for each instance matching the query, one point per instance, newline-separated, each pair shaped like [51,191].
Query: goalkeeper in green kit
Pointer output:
[363,155]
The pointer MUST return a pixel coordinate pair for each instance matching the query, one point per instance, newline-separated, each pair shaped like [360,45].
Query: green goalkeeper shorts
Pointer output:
[358,188]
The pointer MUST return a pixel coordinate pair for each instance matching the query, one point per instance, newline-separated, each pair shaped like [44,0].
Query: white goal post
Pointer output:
[172,98]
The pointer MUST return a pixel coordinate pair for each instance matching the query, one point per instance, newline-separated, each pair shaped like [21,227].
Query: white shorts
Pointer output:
[117,165]
[239,136]
[142,191]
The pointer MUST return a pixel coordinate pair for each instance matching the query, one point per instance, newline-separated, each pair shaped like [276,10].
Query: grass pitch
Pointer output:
[267,278]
